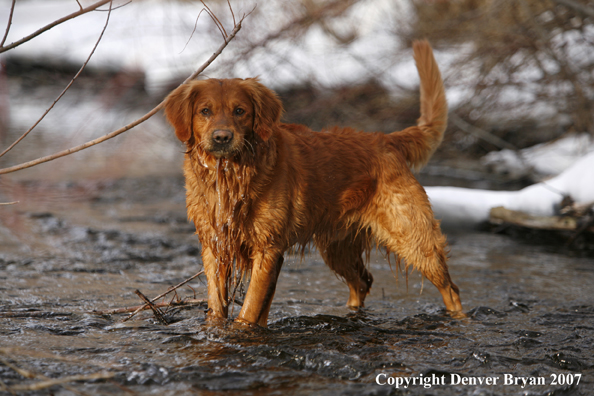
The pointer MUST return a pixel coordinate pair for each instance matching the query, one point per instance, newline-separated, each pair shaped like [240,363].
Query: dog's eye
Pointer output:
[239,111]
[205,111]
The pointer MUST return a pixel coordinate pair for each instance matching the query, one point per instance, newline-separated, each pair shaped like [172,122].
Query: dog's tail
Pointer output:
[418,143]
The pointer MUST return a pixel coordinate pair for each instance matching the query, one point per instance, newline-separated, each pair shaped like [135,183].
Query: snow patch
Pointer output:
[471,206]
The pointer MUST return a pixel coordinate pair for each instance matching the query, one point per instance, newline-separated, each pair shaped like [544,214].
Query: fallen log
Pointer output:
[501,215]
[579,224]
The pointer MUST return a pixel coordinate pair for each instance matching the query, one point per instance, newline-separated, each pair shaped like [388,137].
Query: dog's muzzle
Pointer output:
[222,141]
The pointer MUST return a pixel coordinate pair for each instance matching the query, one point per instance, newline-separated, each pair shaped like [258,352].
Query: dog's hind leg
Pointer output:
[345,257]
[402,219]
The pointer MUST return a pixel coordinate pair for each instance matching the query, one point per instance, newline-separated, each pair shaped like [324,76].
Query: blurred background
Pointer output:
[517,72]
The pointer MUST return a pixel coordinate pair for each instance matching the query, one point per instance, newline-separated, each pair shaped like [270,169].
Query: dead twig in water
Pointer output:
[132,124]
[186,303]
[164,294]
[156,311]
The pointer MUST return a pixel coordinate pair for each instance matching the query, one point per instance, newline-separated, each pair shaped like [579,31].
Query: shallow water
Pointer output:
[72,250]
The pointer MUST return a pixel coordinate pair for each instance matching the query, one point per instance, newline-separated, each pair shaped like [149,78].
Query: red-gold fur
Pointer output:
[256,187]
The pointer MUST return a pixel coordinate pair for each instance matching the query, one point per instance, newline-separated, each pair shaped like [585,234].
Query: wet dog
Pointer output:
[256,187]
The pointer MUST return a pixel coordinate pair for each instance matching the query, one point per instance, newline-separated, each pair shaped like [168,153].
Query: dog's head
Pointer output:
[219,116]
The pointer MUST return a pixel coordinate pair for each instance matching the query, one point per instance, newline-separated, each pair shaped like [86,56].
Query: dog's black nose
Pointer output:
[222,136]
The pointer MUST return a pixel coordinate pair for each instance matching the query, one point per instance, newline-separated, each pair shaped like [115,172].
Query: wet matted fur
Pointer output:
[256,187]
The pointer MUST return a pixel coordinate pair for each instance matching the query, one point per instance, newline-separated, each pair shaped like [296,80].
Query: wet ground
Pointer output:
[74,248]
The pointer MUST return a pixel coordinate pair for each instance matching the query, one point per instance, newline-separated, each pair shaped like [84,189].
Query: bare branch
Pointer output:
[186,303]
[215,19]
[156,311]
[132,124]
[164,294]
[194,30]
[232,13]
[65,89]
[309,18]
[480,133]
[53,24]
[9,23]
[115,8]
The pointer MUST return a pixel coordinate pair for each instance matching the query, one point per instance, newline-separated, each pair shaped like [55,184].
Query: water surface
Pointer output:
[69,250]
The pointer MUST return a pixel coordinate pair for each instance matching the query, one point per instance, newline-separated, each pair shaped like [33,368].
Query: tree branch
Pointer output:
[9,23]
[164,294]
[480,133]
[65,89]
[53,24]
[132,124]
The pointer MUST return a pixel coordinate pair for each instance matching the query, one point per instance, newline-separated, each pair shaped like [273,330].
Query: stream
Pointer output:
[72,251]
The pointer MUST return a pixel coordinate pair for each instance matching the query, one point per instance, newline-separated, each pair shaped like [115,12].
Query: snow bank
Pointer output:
[467,206]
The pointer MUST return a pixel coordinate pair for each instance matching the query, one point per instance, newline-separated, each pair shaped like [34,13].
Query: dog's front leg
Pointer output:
[217,287]
[258,298]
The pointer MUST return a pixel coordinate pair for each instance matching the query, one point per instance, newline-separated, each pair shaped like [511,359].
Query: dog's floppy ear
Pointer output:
[179,109]
[267,107]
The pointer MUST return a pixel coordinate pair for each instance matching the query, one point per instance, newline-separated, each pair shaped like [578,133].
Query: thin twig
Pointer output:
[187,303]
[9,23]
[9,203]
[156,311]
[129,126]
[178,285]
[480,133]
[193,31]
[53,24]
[166,293]
[65,89]
[309,18]
[216,20]
[230,9]
[115,8]
[566,69]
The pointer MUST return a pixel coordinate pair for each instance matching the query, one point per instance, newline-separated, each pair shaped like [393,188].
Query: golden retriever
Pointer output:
[256,187]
